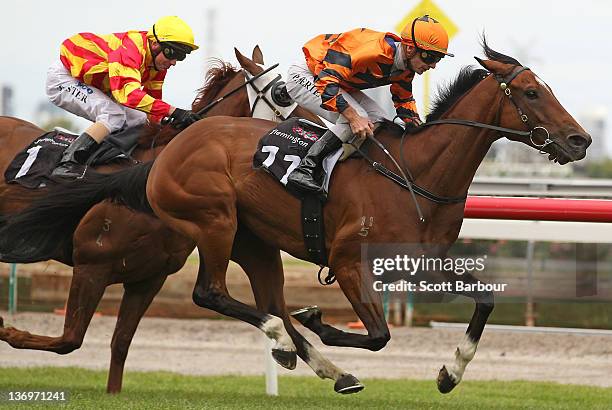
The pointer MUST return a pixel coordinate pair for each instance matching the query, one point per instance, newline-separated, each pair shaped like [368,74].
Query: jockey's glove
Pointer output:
[181,119]
[413,122]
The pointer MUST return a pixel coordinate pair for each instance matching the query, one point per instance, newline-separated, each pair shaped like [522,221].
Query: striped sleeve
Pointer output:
[403,100]
[336,67]
[125,79]
[153,87]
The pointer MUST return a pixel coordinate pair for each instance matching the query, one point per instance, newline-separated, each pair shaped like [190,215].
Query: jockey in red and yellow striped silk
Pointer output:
[121,65]
[338,66]
[116,81]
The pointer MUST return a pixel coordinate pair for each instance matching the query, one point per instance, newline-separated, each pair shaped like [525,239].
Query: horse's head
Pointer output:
[530,104]
[268,97]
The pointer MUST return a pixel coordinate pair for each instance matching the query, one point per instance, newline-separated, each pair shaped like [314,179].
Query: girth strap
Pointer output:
[313,230]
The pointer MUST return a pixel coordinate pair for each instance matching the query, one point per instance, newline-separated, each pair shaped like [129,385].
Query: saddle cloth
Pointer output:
[32,166]
[280,151]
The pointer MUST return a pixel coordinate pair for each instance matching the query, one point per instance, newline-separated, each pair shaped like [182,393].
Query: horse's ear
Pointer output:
[246,63]
[257,55]
[481,62]
[493,66]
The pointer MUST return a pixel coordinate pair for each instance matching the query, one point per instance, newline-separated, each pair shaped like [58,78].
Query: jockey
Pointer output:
[338,66]
[115,80]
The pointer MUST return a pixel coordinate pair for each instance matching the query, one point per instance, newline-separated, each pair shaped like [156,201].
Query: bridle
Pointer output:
[281,105]
[406,180]
[504,85]
[248,81]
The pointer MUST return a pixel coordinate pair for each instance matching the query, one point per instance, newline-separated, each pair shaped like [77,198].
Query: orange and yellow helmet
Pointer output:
[426,33]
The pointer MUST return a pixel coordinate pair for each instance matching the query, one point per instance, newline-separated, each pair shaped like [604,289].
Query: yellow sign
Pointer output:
[428,7]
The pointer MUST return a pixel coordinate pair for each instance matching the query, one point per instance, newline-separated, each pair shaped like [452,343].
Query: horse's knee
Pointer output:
[69,346]
[207,298]
[379,342]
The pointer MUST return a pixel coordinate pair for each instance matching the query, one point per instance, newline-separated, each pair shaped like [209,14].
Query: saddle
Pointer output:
[279,152]
[32,167]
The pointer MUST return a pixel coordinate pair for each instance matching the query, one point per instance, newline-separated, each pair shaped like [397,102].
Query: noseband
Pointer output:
[279,95]
[504,85]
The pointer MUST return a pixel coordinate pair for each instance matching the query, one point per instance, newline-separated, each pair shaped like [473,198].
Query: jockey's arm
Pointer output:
[360,126]
[329,85]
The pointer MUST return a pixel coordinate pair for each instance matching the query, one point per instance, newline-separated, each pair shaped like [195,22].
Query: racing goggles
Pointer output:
[430,57]
[173,51]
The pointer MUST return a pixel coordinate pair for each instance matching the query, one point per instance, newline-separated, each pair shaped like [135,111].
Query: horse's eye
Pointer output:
[531,94]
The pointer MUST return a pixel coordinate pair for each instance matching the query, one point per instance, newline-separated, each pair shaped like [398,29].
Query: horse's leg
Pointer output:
[450,376]
[136,299]
[366,303]
[217,233]
[86,290]
[263,265]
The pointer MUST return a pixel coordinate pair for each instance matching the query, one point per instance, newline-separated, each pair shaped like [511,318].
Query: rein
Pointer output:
[408,183]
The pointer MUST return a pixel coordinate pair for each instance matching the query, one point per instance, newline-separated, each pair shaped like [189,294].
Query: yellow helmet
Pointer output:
[173,29]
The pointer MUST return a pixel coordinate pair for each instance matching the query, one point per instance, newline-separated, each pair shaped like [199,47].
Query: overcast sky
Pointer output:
[568,44]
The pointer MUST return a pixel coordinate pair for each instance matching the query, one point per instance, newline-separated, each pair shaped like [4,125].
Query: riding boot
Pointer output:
[75,157]
[308,176]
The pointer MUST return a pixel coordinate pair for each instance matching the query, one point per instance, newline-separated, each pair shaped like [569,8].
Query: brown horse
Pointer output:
[203,186]
[106,251]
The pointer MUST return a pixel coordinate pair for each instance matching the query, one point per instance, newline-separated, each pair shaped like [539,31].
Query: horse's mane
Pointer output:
[448,94]
[216,78]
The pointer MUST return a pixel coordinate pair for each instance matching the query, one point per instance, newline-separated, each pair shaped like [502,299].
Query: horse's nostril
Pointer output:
[579,141]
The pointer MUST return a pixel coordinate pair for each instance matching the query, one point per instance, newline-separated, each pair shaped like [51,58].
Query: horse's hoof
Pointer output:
[348,384]
[306,314]
[286,359]
[445,383]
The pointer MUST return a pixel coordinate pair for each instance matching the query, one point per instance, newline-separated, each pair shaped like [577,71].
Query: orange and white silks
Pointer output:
[358,59]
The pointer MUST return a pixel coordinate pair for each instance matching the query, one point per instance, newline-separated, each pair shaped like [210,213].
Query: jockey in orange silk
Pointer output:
[336,67]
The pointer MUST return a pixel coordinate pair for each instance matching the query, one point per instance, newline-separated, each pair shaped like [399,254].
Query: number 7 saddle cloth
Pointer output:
[280,151]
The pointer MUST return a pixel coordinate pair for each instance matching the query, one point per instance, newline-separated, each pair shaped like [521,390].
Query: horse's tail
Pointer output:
[35,233]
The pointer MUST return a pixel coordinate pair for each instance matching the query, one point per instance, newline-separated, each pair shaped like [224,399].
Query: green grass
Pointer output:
[163,390]
[591,315]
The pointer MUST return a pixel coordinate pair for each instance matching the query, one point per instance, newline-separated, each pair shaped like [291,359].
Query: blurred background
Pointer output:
[565,43]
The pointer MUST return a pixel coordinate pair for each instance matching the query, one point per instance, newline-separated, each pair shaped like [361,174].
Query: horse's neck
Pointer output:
[447,158]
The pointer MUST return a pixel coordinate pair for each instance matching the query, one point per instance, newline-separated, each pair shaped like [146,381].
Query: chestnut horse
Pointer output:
[115,245]
[203,186]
